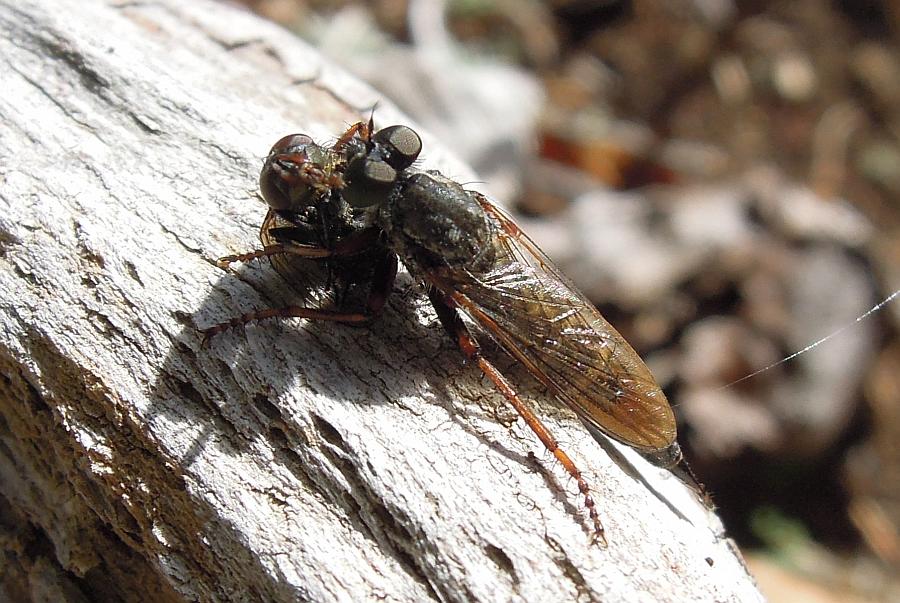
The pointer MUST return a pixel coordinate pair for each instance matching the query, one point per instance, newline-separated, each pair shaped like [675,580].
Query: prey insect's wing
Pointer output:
[539,318]
[305,275]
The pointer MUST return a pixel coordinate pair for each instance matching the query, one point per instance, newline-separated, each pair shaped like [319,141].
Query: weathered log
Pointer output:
[288,461]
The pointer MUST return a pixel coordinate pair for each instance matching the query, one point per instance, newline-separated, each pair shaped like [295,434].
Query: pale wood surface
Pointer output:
[289,462]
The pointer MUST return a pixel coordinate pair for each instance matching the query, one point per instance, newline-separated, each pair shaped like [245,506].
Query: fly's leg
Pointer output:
[349,245]
[307,251]
[452,322]
[381,284]
[267,251]
[287,312]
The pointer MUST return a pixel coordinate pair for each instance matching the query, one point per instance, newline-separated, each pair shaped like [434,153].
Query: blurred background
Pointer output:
[723,179]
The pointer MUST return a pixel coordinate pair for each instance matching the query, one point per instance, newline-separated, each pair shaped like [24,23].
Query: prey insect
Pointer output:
[361,206]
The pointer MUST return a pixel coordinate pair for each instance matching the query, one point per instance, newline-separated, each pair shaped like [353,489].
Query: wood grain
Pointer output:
[290,461]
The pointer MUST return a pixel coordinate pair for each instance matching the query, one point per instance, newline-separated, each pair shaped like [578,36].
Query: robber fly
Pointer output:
[474,261]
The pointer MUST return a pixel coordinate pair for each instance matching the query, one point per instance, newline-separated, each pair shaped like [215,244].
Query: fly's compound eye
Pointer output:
[399,145]
[368,181]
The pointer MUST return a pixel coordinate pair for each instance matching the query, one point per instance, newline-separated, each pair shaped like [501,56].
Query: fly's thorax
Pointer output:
[433,221]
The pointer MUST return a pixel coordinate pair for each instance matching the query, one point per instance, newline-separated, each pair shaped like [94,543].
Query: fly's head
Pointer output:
[373,170]
[431,220]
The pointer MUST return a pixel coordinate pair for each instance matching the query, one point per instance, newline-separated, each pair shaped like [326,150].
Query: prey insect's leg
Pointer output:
[382,282]
[362,128]
[454,325]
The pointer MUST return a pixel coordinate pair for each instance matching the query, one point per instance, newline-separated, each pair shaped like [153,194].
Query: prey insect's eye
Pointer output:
[400,146]
[280,182]
[369,181]
[291,143]
[296,170]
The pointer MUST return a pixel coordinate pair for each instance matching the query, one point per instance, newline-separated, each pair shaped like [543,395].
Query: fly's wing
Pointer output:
[539,318]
